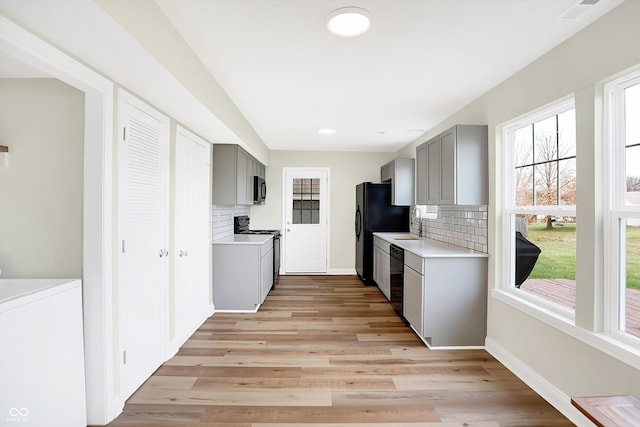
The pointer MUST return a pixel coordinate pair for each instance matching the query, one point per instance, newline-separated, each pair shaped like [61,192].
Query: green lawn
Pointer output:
[558,257]
[633,257]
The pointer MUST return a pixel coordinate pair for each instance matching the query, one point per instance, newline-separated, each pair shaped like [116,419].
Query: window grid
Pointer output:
[306,201]
[532,144]
[624,209]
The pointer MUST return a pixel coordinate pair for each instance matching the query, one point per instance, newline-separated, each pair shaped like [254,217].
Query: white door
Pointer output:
[143,235]
[191,235]
[306,220]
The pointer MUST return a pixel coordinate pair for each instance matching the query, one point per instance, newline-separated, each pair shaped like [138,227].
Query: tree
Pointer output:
[545,168]
[633,183]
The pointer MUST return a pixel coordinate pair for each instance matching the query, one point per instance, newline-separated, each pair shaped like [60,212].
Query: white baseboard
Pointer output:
[330,272]
[538,383]
[342,271]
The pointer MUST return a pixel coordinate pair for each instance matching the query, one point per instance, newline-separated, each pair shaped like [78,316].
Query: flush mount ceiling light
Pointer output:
[326,131]
[348,22]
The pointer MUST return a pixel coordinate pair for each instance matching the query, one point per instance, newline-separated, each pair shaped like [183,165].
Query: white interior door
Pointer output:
[191,290]
[143,231]
[306,220]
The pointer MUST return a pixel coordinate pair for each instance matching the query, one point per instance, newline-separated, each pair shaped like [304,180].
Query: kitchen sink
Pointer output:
[405,238]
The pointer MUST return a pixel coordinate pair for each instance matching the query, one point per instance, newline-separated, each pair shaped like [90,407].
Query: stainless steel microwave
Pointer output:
[259,190]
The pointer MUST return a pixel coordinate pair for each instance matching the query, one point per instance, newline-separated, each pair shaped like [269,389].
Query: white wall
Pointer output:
[605,48]
[42,123]
[347,169]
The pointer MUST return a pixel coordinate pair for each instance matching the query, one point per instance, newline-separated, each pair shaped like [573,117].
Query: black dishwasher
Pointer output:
[396,271]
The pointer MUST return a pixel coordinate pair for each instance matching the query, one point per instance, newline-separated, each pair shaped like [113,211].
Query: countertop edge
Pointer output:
[10,302]
[430,245]
[243,239]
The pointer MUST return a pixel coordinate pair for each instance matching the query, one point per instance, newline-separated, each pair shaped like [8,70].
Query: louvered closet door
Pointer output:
[143,231]
[192,237]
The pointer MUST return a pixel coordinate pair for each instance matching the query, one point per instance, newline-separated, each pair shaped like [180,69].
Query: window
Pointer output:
[540,200]
[624,207]
[306,201]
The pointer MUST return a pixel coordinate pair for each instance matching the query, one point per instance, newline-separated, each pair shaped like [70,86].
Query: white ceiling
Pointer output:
[421,61]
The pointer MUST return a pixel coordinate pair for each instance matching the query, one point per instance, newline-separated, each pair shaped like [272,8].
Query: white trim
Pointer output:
[606,343]
[342,271]
[102,405]
[175,343]
[255,310]
[615,210]
[283,240]
[538,383]
[128,106]
[509,209]
[330,272]
[551,109]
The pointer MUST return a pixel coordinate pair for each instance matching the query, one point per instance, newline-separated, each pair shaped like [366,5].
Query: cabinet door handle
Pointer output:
[183,253]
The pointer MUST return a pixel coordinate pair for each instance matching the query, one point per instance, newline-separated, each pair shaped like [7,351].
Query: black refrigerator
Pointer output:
[374,212]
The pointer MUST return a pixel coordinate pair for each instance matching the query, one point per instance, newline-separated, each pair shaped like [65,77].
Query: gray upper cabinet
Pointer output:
[421,174]
[233,172]
[401,174]
[452,167]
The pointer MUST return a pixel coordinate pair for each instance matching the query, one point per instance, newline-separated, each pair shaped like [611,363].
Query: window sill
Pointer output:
[564,322]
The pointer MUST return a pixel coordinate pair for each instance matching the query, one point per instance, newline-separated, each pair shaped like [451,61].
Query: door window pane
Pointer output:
[306,201]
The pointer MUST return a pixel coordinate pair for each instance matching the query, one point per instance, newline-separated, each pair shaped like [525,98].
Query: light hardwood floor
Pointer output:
[327,351]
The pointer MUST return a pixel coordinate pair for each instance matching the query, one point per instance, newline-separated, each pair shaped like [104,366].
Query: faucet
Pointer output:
[413,214]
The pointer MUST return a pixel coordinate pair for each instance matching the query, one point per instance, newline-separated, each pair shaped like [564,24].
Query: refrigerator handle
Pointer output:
[358,223]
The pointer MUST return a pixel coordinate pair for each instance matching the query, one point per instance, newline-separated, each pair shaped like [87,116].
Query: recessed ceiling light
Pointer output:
[415,131]
[348,22]
[326,131]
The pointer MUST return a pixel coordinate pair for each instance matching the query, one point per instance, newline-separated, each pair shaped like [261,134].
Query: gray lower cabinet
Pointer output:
[445,299]
[242,275]
[381,260]
[452,168]
[413,299]
[233,170]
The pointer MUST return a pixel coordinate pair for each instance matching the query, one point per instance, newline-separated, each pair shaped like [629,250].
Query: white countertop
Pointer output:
[428,248]
[15,292]
[243,239]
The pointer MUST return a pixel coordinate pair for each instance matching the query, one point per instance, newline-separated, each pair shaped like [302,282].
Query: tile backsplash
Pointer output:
[464,226]
[222,216]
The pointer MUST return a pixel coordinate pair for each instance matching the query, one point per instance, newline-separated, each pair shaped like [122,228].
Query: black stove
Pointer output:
[241,226]
[274,232]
